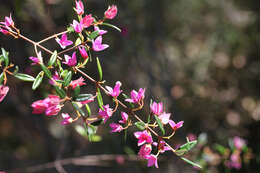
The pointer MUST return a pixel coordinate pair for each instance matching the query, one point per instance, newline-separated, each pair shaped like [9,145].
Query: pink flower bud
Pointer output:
[100,31]
[136,97]
[164,117]
[145,151]
[143,137]
[3,92]
[116,127]
[97,44]
[64,42]
[36,60]
[87,21]
[152,160]
[67,119]
[78,82]
[79,7]
[70,61]
[111,12]
[78,27]
[83,52]
[116,91]
[156,108]
[9,21]
[175,126]
[39,106]
[106,113]
[124,118]
[239,142]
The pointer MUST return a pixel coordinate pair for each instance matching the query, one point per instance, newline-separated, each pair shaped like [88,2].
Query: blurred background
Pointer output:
[199,57]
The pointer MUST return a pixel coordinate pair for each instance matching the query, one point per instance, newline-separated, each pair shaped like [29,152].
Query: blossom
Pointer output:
[100,31]
[97,44]
[111,12]
[36,60]
[238,142]
[106,113]
[156,108]
[55,77]
[143,137]
[235,160]
[145,151]
[64,42]
[175,126]
[78,27]
[8,22]
[78,82]
[116,127]
[67,119]
[162,146]
[79,7]
[124,118]
[49,106]
[87,21]
[5,32]
[164,117]
[136,97]
[83,52]
[3,92]
[116,91]
[152,160]
[70,61]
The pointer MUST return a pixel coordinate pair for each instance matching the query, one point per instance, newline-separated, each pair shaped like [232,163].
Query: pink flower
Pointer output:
[70,61]
[36,60]
[39,106]
[5,32]
[64,42]
[152,160]
[238,142]
[3,92]
[124,118]
[55,77]
[100,31]
[97,44]
[175,126]
[162,147]
[145,151]
[8,22]
[79,7]
[116,127]
[143,137]
[78,82]
[78,27]
[53,110]
[67,119]
[164,117]
[87,21]
[156,108]
[83,52]
[136,97]
[106,113]
[111,12]
[116,91]
[235,161]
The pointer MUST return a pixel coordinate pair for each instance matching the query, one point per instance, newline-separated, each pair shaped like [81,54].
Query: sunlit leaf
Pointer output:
[46,71]
[190,162]
[140,125]
[53,58]
[112,26]
[24,77]
[38,80]
[60,91]
[99,98]
[160,124]
[67,79]
[100,72]
[186,147]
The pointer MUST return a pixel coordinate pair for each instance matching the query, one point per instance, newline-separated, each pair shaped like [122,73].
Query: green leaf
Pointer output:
[125,135]
[77,42]
[77,108]
[67,79]
[96,138]
[64,73]
[100,72]
[99,98]
[160,124]
[76,91]
[46,71]
[70,29]
[186,147]
[60,91]
[16,70]
[140,125]
[1,78]
[220,148]
[93,35]
[5,56]
[81,130]
[91,131]
[112,26]
[190,162]
[53,58]
[88,109]
[24,77]
[38,80]
[83,97]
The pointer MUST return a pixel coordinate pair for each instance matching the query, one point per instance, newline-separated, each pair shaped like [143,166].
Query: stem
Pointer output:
[50,37]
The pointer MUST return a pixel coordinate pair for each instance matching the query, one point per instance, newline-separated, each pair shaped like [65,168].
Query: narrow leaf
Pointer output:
[186,147]
[16,70]
[160,124]
[112,26]
[60,91]
[81,130]
[77,42]
[53,58]
[46,71]
[38,80]
[5,56]
[100,72]
[88,110]
[76,91]
[77,108]
[1,78]
[24,77]
[83,97]
[140,125]
[99,98]
[67,79]
[190,162]
[93,35]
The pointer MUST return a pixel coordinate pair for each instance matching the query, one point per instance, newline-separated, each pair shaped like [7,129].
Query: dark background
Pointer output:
[199,57]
